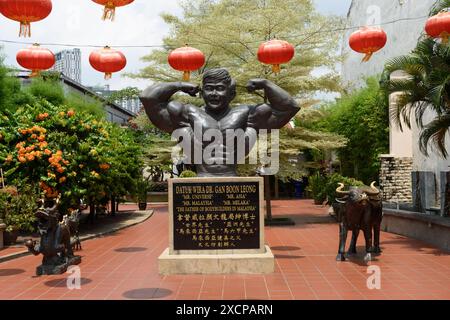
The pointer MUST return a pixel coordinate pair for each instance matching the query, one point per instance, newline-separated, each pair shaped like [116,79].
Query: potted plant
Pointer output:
[144,186]
[188,174]
[18,212]
[316,186]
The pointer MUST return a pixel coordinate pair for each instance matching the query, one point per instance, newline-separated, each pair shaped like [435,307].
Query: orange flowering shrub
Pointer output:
[67,153]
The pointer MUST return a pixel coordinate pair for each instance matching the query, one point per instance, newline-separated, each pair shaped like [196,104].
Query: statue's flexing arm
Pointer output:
[281,107]
[167,115]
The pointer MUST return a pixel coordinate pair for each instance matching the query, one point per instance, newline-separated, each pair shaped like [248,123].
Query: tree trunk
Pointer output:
[277,189]
[91,215]
[113,206]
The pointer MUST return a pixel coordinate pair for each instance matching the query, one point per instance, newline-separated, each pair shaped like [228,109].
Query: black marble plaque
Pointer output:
[216,216]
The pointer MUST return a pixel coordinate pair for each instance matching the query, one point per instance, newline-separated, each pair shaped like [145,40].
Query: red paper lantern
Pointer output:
[36,59]
[107,60]
[438,26]
[25,12]
[276,52]
[368,40]
[110,7]
[186,59]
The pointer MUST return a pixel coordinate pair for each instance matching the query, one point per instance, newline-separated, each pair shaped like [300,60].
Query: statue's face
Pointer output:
[216,95]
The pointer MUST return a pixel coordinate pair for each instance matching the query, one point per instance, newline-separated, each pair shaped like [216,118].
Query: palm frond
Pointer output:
[436,131]
[439,6]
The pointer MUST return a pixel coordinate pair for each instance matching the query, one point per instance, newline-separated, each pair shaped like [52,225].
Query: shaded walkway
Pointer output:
[124,266]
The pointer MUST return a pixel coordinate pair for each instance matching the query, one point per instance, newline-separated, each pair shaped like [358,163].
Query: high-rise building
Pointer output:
[132,104]
[68,62]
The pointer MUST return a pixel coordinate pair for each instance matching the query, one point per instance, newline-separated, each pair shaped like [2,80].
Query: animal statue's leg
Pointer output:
[342,240]
[368,237]
[355,235]
[376,238]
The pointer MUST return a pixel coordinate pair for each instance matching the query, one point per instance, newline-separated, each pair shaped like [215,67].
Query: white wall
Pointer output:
[402,35]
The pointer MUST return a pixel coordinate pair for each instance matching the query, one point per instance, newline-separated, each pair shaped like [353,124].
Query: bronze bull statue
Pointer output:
[360,208]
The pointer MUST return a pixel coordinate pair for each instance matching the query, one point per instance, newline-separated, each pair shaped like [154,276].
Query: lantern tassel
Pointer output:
[276,68]
[34,73]
[25,29]
[367,57]
[444,37]
[108,75]
[186,76]
[109,13]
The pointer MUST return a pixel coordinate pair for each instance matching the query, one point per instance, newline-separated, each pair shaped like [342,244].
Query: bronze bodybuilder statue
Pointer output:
[218,90]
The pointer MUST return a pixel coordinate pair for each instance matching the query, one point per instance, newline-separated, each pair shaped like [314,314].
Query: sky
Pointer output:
[79,22]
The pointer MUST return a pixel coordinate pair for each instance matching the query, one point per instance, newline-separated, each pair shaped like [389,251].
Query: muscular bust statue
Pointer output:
[218,91]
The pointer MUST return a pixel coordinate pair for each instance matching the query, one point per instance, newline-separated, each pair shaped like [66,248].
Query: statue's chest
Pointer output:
[232,121]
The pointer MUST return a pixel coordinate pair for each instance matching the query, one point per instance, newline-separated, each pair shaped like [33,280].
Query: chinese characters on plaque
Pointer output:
[216,216]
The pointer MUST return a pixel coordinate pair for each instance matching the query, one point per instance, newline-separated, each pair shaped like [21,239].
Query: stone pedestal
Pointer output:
[2,229]
[216,226]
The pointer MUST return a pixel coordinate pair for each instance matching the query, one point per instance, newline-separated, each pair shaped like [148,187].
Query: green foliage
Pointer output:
[144,186]
[188,174]
[426,88]
[50,90]
[324,187]
[65,152]
[363,118]
[17,209]
[317,183]
[80,103]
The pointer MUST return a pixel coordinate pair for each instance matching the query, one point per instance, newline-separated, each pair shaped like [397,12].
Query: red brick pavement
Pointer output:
[124,266]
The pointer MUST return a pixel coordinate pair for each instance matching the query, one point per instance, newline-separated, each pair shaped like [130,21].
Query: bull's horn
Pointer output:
[374,191]
[340,189]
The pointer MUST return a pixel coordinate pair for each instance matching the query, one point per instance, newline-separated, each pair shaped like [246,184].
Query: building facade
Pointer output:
[405,169]
[133,104]
[68,62]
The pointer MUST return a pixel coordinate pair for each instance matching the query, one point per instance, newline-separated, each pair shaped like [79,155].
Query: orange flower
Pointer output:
[66,162]
[29,157]
[47,152]
[41,138]
[60,169]
[22,159]
[43,144]
[62,179]
[105,166]
[59,153]
[70,113]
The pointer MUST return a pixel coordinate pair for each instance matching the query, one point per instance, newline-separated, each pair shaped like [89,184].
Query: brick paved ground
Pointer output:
[124,266]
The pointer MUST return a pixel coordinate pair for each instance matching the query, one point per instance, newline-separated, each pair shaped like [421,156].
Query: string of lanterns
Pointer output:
[366,40]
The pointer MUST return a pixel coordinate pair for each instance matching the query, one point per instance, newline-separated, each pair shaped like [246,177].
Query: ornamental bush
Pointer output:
[58,151]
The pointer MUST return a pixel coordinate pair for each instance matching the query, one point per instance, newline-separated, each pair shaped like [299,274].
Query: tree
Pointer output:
[59,151]
[247,25]
[363,118]
[426,88]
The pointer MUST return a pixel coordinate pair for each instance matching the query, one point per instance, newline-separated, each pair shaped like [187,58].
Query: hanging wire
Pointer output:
[305,34]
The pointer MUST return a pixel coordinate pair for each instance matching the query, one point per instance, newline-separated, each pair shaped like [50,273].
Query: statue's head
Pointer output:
[218,89]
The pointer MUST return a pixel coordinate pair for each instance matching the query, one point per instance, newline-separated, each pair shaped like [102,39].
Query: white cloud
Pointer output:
[79,22]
